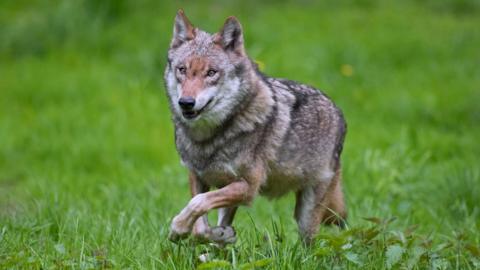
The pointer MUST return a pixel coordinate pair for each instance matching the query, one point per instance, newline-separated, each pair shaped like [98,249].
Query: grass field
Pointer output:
[89,175]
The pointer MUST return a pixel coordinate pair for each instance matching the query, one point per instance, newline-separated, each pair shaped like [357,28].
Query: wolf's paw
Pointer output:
[175,236]
[178,231]
[222,235]
[201,236]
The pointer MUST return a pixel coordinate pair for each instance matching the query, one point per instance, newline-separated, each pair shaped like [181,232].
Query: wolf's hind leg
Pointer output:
[308,212]
[336,212]
[312,206]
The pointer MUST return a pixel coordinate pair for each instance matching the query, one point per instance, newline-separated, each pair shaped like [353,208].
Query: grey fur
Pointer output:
[293,130]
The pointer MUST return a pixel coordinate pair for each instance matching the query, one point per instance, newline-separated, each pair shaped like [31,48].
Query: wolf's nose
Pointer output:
[186,103]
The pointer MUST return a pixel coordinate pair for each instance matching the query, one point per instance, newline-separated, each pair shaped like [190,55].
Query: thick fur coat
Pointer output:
[244,134]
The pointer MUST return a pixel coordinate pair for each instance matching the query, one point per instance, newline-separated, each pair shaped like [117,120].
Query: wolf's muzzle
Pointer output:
[186,103]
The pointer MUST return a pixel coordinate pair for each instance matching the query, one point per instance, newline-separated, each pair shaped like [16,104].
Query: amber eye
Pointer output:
[211,72]
[182,70]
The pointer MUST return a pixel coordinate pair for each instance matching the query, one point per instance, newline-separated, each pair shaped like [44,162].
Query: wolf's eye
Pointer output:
[182,70]
[211,72]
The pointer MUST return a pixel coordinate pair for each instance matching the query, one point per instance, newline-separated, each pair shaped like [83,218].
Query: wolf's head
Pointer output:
[206,73]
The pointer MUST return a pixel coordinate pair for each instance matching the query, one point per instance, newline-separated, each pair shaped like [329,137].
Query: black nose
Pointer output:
[186,103]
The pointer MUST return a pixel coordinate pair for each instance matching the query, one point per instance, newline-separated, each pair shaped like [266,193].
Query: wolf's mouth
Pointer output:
[192,114]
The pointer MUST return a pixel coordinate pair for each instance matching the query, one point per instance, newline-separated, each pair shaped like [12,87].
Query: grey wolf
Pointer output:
[242,133]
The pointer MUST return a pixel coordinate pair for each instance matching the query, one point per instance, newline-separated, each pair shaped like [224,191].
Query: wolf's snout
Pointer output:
[186,103]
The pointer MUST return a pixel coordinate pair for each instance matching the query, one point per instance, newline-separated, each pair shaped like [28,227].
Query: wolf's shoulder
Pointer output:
[304,94]
[293,86]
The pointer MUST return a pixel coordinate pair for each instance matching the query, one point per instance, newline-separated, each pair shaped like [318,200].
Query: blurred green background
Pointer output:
[88,167]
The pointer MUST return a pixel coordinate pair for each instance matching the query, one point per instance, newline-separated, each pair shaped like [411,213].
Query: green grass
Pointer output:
[89,175]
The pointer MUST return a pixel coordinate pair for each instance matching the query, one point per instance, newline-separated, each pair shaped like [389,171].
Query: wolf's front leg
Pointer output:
[239,192]
[200,227]
[226,215]
[221,234]
[224,233]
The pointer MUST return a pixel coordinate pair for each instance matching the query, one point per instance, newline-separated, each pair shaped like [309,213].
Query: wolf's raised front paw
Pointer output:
[178,231]
[223,235]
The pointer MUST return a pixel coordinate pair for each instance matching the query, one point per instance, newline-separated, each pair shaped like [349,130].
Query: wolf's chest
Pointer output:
[218,174]
[281,180]
[216,164]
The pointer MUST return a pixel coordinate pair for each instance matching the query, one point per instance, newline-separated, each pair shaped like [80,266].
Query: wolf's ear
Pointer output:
[183,30]
[230,36]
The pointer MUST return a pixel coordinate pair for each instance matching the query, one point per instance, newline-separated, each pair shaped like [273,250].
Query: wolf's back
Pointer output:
[317,127]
